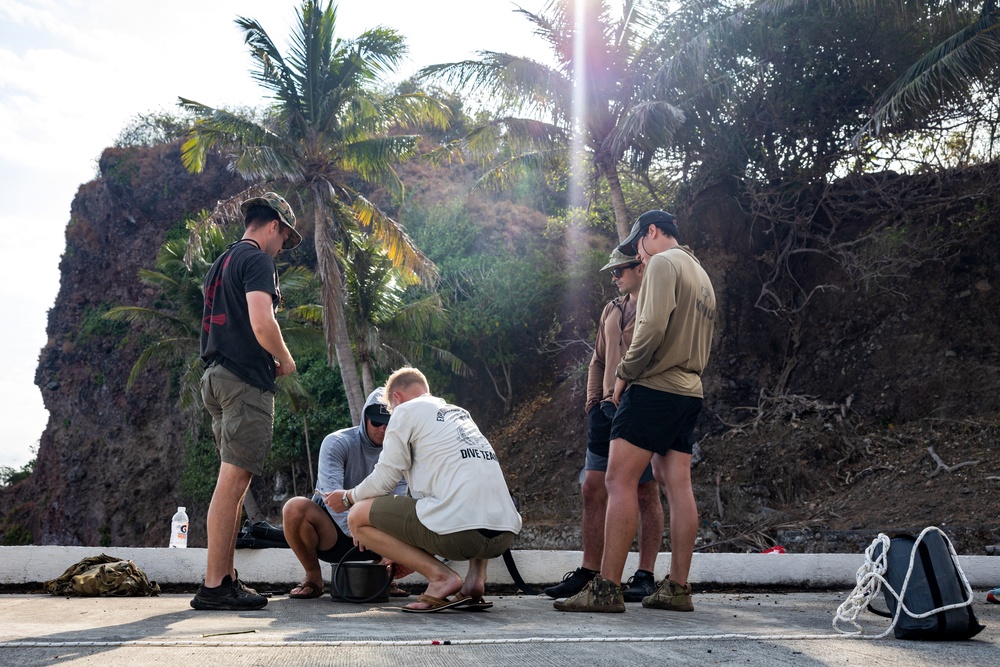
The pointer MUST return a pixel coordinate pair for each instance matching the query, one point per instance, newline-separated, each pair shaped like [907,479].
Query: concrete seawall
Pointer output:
[34,564]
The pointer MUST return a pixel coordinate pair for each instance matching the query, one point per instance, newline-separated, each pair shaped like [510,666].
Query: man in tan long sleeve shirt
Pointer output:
[656,416]
[614,334]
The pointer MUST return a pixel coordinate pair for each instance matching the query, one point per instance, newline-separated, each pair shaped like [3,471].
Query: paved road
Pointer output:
[520,630]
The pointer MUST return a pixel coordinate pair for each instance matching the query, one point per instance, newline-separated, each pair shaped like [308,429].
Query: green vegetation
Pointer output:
[96,324]
[201,468]
[9,475]
[16,536]
[150,129]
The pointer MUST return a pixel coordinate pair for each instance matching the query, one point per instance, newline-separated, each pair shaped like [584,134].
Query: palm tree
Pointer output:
[325,132]
[387,329]
[944,74]
[602,67]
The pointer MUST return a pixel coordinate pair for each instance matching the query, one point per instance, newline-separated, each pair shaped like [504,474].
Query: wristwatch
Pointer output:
[347,500]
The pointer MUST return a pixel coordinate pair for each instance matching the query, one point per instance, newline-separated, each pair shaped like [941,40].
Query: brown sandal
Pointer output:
[307,590]
[433,604]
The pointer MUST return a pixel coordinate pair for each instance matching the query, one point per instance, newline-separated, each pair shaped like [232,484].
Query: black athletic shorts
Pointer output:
[344,543]
[656,421]
[599,427]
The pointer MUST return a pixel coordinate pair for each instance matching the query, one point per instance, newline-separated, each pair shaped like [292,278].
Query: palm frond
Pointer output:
[505,173]
[417,109]
[292,390]
[514,82]
[157,279]
[309,313]
[271,71]
[303,338]
[260,152]
[649,126]
[372,159]
[381,49]
[453,363]
[399,247]
[946,72]
[190,382]
[296,278]
[140,315]
[164,348]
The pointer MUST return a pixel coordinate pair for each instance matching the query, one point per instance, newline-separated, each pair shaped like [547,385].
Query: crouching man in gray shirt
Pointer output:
[314,530]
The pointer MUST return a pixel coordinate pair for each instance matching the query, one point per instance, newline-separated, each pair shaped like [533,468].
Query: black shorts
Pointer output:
[656,421]
[599,427]
[344,544]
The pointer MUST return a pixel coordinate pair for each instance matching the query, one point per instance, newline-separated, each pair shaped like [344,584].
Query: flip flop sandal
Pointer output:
[435,604]
[307,591]
[473,603]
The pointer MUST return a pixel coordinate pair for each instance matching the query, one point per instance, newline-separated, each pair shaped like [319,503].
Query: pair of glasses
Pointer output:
[617,273]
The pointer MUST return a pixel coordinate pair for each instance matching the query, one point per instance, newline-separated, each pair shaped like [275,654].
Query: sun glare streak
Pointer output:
[578,169]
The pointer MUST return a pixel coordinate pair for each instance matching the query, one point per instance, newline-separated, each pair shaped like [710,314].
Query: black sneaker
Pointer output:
[242,586]
[640,585]
[227,596]
[572,583]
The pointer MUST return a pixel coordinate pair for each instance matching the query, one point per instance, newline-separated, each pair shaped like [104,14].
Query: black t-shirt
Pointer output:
[226,333]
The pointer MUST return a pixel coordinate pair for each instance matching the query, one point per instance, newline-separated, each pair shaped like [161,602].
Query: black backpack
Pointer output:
[923,573]
[260,535]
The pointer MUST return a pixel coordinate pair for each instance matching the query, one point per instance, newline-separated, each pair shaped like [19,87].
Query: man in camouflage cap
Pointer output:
[275,202]
[243,351]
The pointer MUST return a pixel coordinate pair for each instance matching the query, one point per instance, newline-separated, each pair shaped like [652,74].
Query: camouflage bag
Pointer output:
[103,576]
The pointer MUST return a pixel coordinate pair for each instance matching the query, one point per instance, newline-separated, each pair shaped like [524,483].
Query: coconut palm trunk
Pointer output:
[338,344]
[622,223]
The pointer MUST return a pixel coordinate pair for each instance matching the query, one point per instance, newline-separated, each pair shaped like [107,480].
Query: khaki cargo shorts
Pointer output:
[397,516]
[242,418]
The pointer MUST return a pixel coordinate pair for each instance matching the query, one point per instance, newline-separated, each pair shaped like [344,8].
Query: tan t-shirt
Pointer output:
[675,319]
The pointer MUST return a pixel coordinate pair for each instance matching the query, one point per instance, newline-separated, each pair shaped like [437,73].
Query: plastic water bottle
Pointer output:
[179,530]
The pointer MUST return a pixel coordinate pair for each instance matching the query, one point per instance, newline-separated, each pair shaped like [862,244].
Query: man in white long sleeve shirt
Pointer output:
[459,509]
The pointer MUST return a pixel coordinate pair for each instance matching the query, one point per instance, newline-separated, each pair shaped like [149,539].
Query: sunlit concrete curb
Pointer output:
[27,565]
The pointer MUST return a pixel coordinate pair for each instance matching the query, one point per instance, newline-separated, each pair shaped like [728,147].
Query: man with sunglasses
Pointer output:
[657,413]
[317,531]
[614,334]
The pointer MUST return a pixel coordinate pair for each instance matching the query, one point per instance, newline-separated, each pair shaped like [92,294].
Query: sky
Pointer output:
[74,72]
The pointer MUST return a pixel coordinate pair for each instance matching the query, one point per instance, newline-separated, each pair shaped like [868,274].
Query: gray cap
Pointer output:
[619,259]
[661,219]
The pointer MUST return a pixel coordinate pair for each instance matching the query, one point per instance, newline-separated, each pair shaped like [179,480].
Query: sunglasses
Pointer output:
[617,273]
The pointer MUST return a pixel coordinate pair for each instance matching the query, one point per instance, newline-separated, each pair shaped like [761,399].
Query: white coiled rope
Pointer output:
[871,578]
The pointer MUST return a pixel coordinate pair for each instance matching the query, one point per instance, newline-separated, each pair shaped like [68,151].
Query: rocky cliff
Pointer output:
[109,460]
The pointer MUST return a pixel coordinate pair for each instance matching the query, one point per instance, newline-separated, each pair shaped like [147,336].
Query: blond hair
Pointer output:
[402,379]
